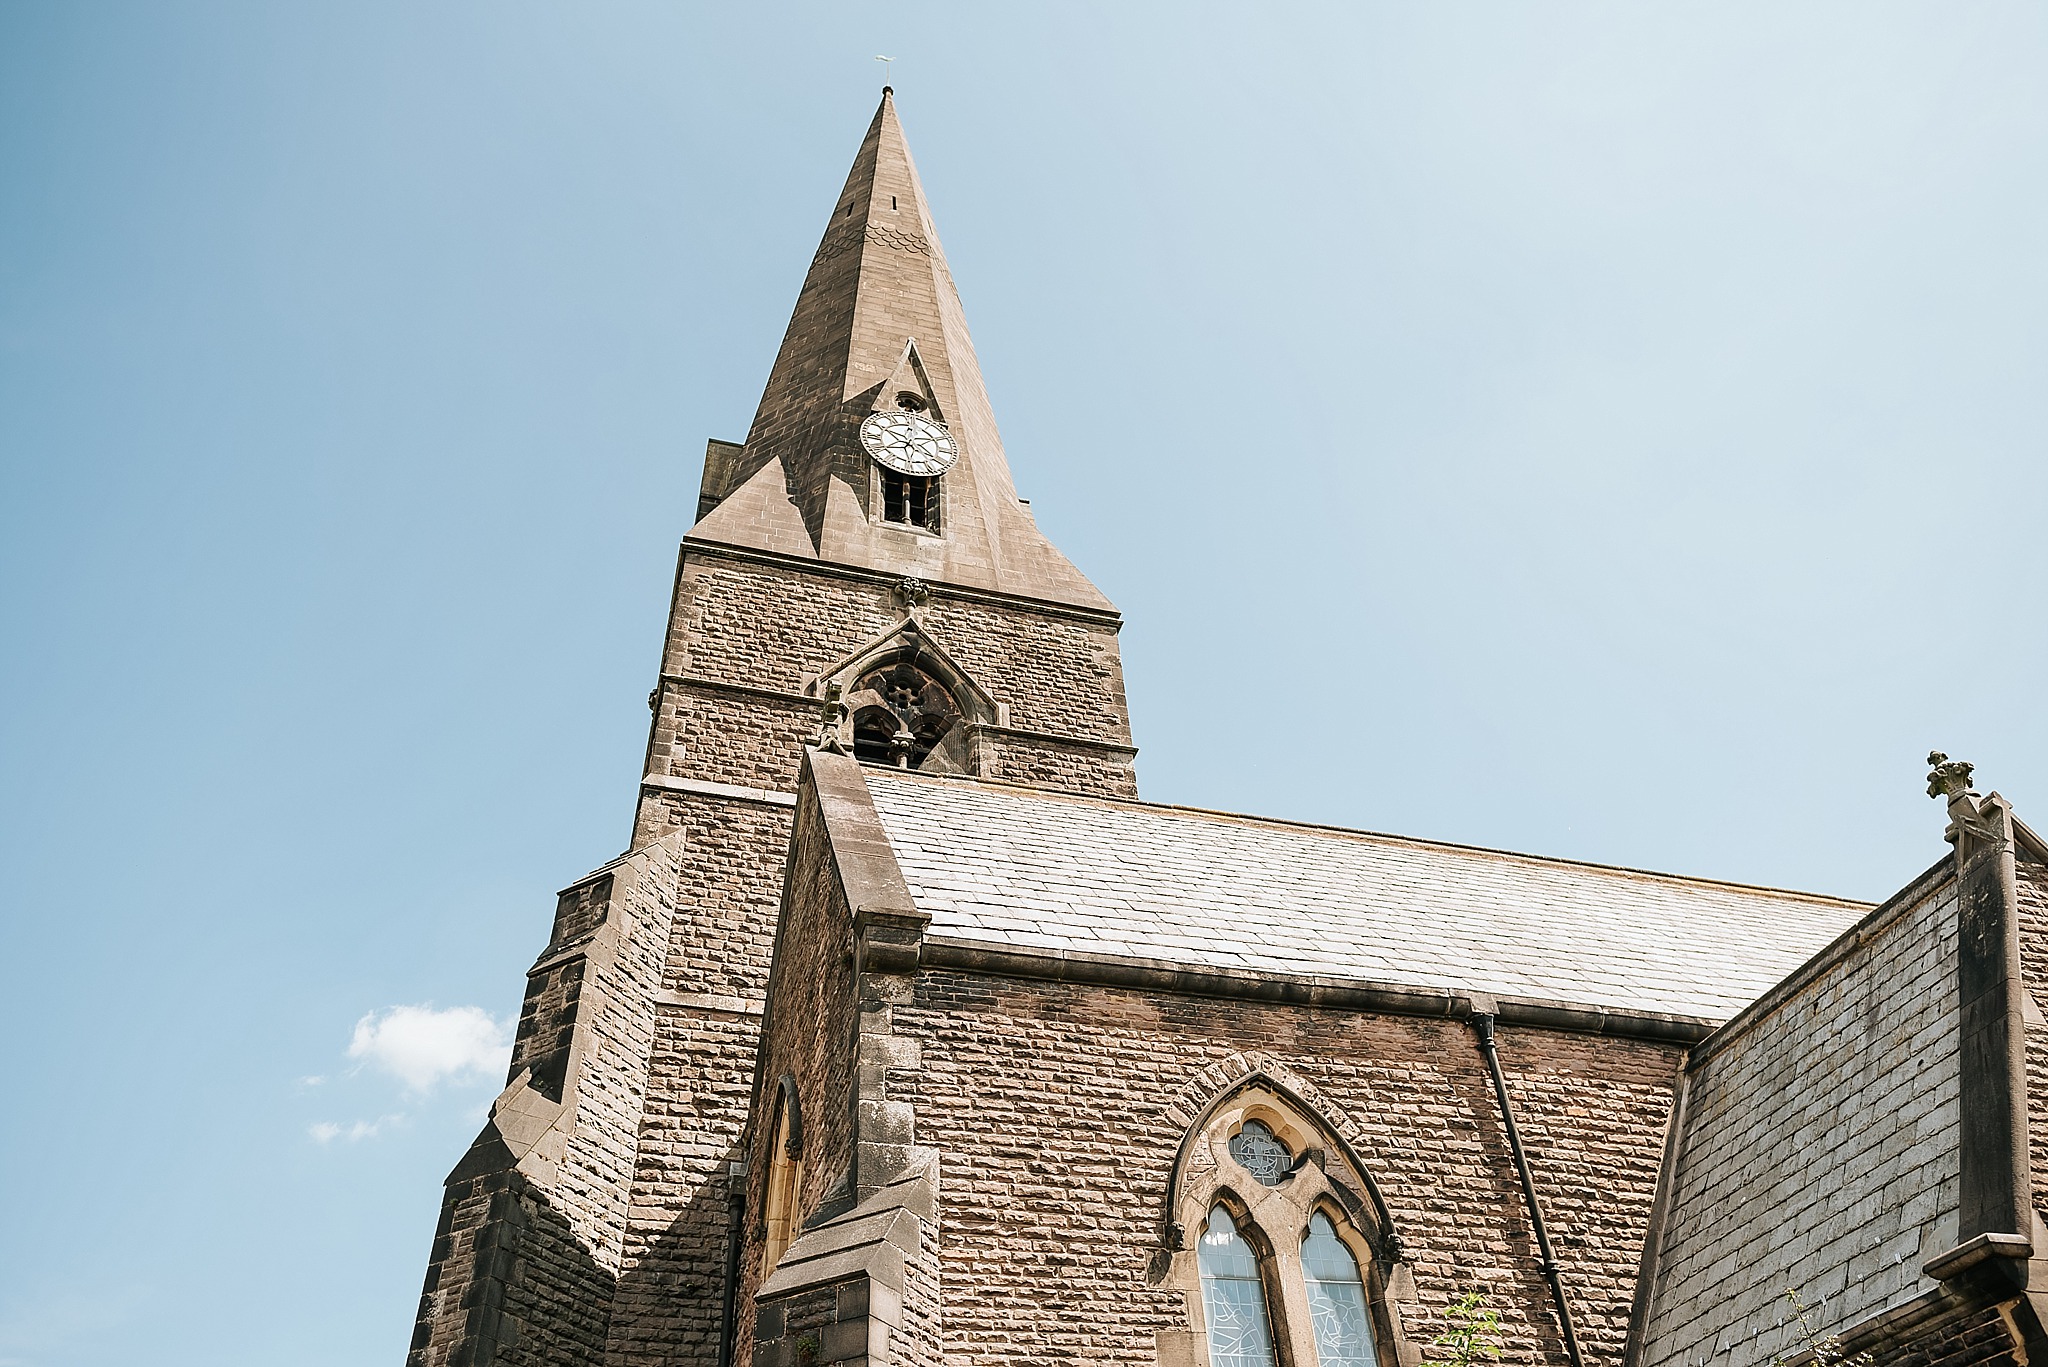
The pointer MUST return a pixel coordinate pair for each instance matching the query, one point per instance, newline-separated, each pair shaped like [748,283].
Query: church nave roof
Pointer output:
[1068,874]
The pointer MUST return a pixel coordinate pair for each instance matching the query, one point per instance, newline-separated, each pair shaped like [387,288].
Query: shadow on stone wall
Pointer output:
[670,1301]
[508,1281]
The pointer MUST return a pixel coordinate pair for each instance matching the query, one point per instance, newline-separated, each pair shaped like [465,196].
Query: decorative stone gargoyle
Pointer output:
[830,714]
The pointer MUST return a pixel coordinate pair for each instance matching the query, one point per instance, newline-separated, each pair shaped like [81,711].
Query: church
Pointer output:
[905,1032]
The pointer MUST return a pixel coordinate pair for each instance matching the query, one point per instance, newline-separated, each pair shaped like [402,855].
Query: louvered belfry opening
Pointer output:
[911,500]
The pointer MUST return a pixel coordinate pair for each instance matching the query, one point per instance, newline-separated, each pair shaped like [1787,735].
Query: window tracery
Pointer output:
[1259,1152]
[1285,1266]
[900,715]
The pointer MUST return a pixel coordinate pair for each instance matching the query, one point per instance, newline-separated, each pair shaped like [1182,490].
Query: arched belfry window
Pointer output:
[905,702]
[1277,1238]
[911,500]
[900,715]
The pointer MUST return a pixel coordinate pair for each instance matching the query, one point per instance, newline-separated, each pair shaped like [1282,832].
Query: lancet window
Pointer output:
[1337,1307]
[1281,1270]
[1233,1296]
[785,1176]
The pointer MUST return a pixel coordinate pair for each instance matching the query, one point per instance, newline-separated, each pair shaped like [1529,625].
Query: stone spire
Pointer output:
[878,315]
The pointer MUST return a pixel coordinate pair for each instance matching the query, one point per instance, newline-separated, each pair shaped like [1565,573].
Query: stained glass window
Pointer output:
[1259,1151]
[1336,1298]
[1233,1297]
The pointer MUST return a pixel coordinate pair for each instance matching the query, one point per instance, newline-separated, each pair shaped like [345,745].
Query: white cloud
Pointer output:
[327,1131]
[423,1047]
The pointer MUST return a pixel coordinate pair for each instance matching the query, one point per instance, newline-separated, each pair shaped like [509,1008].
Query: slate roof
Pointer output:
[1046,871]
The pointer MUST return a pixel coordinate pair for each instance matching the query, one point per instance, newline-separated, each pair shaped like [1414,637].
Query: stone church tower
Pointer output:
[595,1219]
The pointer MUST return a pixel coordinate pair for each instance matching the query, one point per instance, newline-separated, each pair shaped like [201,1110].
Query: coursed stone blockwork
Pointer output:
[1058,1109]
[2032,883]
[530,1242]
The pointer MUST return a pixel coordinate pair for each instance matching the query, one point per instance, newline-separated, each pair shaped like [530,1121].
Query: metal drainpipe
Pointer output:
[1482,1025]
[736,1200]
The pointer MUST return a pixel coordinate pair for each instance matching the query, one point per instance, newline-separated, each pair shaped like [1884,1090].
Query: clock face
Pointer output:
[909,443]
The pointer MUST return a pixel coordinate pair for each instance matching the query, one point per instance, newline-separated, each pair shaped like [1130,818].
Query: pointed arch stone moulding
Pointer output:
[1212,1090]
[1272,1211]
[959,749]
[907,639]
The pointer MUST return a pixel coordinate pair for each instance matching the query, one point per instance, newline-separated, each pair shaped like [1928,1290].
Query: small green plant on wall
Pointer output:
[1816,1349]
[805,1350]
[1474,1335]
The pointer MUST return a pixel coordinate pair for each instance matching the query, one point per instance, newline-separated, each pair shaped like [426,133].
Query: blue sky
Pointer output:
[1606,430]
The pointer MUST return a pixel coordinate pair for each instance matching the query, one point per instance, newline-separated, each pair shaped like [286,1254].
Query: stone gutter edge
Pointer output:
[1058,965]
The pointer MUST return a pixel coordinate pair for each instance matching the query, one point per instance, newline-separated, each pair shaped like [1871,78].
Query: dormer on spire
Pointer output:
[909,388]
[878,328]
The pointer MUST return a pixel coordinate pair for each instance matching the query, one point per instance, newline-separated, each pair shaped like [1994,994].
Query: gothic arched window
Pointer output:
[1233,1296]
[1281,1267]
[1337,1305]
[785,1177]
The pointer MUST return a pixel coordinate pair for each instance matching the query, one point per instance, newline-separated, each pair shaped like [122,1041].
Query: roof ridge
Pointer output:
[1355,832]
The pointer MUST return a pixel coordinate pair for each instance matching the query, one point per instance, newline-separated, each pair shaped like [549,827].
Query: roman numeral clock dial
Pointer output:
[909,443]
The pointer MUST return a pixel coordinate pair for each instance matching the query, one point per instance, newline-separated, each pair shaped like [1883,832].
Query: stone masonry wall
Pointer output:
[810,1025]
[1049,1105]
[1050,764]
[729,737]
[922,1341]
[670,1298]
[2033,927]
[529,1245]
[1819,1151]
[770,626]
[610,1067]
[744,636]
[1982,1338]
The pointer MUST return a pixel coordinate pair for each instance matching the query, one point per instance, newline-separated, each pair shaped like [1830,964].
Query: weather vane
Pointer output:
[886,68]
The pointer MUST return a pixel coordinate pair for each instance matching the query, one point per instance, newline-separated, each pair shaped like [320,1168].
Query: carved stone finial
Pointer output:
[913,592]
[830,714]
[1947,777]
